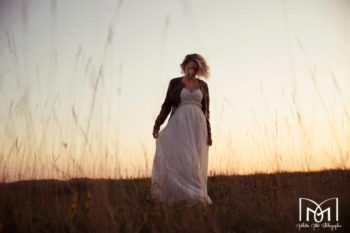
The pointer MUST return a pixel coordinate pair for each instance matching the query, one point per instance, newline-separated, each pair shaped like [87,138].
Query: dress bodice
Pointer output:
[188,97]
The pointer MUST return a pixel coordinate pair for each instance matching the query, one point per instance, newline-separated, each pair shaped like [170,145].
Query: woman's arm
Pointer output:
[207,117]
[165,109]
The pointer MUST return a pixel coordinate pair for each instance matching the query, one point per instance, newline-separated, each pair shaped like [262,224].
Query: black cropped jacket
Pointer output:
[172,101]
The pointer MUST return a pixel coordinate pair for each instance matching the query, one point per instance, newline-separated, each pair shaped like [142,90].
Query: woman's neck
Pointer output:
[189,78]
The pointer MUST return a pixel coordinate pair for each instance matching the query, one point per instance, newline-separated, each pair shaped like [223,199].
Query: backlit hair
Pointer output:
[203,68]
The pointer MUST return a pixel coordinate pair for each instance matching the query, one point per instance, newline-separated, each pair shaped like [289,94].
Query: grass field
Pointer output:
[251,203]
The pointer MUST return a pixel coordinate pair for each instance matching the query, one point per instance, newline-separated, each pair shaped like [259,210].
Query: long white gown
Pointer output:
[180,165]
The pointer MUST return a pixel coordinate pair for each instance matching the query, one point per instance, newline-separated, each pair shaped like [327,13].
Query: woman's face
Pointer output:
[191,69]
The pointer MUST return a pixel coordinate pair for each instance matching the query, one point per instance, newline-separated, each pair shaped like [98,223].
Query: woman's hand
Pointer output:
[155,133]
[209,142]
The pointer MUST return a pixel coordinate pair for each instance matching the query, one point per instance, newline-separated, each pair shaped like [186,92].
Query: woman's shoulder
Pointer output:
[203,83]
[176,79]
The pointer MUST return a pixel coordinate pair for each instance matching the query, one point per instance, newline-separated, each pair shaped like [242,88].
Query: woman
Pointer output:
[180,166]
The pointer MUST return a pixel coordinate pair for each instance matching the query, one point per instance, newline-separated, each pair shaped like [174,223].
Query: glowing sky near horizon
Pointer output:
[261,54]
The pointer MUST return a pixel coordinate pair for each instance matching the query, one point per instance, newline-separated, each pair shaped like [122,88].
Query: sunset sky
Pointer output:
[72,71]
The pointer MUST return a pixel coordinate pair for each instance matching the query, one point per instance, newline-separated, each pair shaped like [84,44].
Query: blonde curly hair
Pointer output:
[203,68]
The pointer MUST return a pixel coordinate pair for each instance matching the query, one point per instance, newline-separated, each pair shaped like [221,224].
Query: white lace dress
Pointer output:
[180,166]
